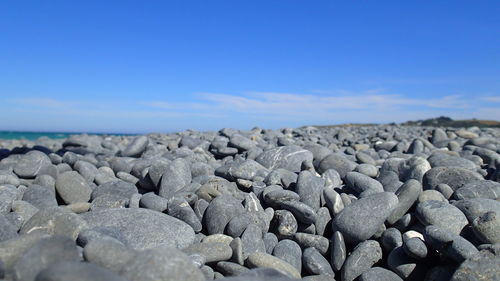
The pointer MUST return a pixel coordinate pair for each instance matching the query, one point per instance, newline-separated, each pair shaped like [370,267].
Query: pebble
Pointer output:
[72,187]
[362,258]
[441,214]
[163,263]
[220,211]
[415,248]
[361,219]
[77,271]
[487,227]
[315,263]
[309,187]
[484,265]
[211,251]
[153,202]
[455,177]
[337,162]
[475,207]
[449,244]
[306,240]
[407,195]
[108,252]
[361,183]
[44,253]
[55,220]
[289,251]
[7,229]
[379,273]
[174,178]
[40,197]
[32,164]
[391,238]
[266,260]
[289,157]
[143,228]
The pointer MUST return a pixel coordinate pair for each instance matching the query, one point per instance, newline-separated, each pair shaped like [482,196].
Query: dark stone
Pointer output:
[40,197]
[315,263]
[338,162]
[212,251]
[379,274]
[136,147]
[362,219]
[174,178]
[144,228]
[455,177]
[287,157]
[289,251]
[362,258]
[484,265]
[108,253]
[73,188]
[361,183]
[407,195]
[162,263]
[42,254]
[180,208]
[441,214]
[117,187]
[220,211]
[309,188]
[77,271]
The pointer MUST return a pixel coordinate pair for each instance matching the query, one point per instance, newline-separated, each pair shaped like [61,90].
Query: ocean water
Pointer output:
[32,135]
[35,135]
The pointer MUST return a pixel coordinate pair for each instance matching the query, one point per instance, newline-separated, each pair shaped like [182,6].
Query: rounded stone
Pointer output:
[77,271]
[108,253]
[143,228]
[363,218]
[441,214]
[360,182]
[379,274]
[220,211]
[487,227]
[407,195]
[362,258]
[315,263]
[73,188]
[266,260]
[163,263]
[42,254]
[455,177]
[212,251]
[289,251]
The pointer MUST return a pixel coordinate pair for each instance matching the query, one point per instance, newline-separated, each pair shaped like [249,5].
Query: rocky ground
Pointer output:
[359,203]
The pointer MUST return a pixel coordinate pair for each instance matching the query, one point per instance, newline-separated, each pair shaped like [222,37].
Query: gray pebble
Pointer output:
[161,264]
[77,271]
[143,228]
[441,214]
[362,258]
[289,251]
[315,263]
[212,251]
[361,219]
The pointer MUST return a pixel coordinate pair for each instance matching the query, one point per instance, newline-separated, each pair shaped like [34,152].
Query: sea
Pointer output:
[35,135]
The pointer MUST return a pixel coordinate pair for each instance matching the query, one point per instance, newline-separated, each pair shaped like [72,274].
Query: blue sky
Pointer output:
[162,66]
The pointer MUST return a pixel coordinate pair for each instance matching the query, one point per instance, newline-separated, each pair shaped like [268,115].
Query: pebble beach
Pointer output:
[362,203]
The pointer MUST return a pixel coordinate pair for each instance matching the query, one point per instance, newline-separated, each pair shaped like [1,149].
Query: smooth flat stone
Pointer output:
[144,228]
[266,260]
[363,218]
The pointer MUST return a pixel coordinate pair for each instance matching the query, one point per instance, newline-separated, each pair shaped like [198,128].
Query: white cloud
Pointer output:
[491,98]
[264,108]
